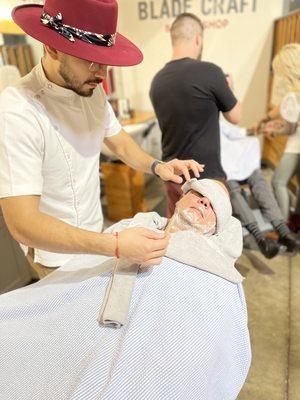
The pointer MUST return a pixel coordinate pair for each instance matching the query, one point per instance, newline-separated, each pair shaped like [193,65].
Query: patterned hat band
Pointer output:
[69,32]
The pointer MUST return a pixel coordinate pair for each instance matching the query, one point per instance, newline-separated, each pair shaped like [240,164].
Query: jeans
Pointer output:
[263,196]
[289,165]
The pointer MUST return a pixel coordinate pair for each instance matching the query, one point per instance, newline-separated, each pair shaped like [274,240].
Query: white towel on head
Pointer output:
[218,197]
[217,253]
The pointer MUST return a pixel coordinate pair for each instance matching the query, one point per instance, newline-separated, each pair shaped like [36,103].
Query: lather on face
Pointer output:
[195,212]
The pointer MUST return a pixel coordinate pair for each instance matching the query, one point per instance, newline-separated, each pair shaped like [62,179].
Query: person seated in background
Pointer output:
[185,334]
[240,157]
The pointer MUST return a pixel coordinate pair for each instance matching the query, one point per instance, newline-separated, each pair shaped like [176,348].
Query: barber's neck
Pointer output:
[51,71]
[185,51]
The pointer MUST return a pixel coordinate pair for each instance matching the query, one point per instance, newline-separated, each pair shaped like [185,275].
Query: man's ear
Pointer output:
[198,39]
[51,51]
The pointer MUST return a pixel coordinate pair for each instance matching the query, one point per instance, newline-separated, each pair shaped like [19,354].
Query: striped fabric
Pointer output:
[186,338]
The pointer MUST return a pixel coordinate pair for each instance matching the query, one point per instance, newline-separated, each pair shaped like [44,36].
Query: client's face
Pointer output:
[195,211]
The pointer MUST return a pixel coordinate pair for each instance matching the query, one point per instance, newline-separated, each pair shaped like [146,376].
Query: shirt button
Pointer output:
[49,86]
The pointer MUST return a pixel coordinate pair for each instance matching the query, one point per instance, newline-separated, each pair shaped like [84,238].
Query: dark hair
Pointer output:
[180,18]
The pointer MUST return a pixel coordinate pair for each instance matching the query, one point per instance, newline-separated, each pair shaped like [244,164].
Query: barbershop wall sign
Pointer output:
[152,10]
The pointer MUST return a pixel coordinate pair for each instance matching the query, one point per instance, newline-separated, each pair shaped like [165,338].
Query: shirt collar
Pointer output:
[51,87]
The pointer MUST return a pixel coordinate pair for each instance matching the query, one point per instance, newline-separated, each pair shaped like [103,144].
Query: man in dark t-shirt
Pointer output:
[187,96]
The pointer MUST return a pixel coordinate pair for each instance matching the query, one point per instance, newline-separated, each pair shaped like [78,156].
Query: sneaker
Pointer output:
[290,242]
[268,247]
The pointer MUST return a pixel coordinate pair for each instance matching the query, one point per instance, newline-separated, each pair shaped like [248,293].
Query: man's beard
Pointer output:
[73,84]
[185,220]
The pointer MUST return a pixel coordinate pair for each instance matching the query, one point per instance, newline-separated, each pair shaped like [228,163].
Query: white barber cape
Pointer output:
[185,338]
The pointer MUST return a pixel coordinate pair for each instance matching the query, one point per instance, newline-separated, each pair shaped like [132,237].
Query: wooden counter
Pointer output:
[139,117]
[123,186]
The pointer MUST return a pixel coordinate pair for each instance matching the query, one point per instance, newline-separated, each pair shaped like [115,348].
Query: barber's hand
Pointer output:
[262,123]
[257,129]
[171,170]
[254,130]
[268,129]
[273,127]
[143,246]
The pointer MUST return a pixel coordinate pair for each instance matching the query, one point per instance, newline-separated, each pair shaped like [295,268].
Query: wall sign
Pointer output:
[171,8]
[237,37]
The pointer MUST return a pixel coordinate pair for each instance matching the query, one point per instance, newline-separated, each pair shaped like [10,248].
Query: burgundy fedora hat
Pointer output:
[82,28]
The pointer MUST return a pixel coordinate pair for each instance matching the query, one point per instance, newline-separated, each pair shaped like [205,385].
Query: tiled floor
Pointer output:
[272,289]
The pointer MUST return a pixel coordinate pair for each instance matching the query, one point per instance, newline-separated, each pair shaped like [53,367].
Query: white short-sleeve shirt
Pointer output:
[290,111]
[50,143]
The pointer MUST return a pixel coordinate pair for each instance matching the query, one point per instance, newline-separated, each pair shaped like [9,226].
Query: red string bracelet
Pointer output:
[117,253]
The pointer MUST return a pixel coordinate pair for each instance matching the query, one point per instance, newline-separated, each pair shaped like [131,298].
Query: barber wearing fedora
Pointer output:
[52,125]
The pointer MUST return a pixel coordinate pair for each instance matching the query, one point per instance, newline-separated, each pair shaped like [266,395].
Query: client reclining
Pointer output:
[184,335]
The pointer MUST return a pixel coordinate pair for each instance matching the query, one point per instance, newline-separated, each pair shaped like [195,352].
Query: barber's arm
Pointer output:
[21,184]
[36,229]
[127,150]
[222,87]
[235,114]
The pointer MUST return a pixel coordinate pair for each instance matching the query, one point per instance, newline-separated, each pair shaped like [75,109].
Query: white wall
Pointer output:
[6,7]
[238,39]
